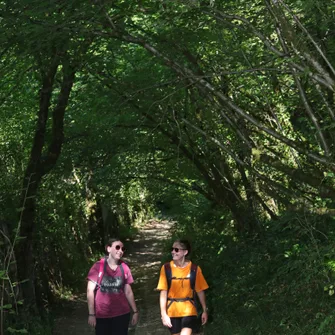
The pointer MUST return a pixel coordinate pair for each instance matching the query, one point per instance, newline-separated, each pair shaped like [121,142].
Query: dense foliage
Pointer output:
[220,114]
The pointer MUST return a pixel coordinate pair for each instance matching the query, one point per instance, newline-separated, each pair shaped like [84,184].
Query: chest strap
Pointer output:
[191,277]
[171,300]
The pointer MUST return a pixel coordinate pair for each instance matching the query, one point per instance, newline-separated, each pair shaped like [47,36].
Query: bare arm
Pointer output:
[130,297]
[202,299]
[162,303]
[90,303]
[131,300]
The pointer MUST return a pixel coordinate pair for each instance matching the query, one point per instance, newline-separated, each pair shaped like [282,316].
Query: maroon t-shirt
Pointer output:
[110,299]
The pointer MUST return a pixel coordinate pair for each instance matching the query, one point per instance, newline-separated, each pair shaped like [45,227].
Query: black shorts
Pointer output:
[184,322]
[113,326]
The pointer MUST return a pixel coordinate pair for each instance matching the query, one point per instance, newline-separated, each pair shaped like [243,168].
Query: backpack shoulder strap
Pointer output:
[102,269]
[193,275]
[168,274]
[123,275]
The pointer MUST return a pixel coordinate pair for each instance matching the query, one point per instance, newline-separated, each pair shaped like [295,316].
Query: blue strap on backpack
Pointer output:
[192,278]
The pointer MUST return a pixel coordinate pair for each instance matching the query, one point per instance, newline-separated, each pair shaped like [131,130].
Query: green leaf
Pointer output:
[15,331]
[8,306]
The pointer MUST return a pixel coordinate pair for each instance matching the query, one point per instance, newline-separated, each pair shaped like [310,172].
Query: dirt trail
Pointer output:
[144,259]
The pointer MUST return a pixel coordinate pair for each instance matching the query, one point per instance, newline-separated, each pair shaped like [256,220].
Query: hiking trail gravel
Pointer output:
[143,255]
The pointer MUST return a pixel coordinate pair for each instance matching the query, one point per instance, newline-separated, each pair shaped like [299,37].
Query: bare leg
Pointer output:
[186,331]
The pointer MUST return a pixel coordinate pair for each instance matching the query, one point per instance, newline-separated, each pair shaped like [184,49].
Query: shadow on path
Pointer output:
[144,258]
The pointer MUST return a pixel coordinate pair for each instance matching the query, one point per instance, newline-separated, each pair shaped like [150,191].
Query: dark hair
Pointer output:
[111,240]
[185,244]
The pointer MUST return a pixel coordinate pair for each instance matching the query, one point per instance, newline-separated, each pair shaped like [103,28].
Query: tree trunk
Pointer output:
[37,167]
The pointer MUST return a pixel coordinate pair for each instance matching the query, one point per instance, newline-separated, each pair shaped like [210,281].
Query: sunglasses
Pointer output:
[177,249]
[118,247]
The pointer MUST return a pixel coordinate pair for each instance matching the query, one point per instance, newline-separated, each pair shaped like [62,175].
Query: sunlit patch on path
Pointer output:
[145,261]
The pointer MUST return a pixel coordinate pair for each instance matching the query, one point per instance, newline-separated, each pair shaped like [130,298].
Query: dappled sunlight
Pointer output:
[144,254]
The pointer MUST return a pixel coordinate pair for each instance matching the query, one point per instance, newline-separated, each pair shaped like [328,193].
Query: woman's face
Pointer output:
[116,250]
[178,251]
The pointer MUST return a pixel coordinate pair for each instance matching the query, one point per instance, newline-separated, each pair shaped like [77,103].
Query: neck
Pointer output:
[111,261]
[181,263]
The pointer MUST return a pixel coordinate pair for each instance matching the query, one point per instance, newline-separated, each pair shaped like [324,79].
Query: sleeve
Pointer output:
[127,274]
[200,281]
[94,272]
[162,282]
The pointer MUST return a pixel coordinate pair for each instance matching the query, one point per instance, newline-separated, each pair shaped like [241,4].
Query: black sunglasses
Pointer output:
[118,247]
[177,249]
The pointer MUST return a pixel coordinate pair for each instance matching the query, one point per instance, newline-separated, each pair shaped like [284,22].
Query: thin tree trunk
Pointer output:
[36,168]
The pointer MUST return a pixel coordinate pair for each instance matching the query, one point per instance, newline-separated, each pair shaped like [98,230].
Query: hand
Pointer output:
[92,321]
[204,317]
[134,319]
[166,321]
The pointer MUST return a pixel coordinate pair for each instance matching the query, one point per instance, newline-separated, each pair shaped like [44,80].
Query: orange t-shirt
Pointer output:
[181,288]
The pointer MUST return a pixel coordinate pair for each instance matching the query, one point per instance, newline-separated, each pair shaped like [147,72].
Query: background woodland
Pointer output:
[219,115]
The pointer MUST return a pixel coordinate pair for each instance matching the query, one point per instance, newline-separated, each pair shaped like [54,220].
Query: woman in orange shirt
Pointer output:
[178,310]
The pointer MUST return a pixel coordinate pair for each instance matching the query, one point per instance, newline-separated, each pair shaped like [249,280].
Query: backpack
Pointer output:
[192,278]
[102,270]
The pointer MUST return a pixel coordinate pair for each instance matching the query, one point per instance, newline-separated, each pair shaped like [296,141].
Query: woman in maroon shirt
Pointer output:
[109,295]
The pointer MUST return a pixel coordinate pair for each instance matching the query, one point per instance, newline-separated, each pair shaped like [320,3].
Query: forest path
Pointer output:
[144,258]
